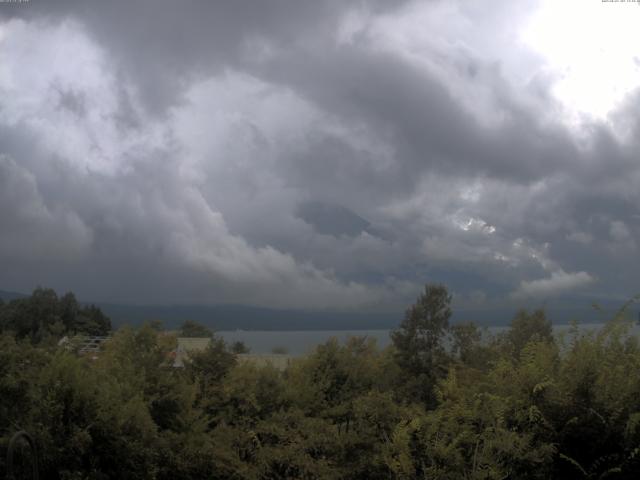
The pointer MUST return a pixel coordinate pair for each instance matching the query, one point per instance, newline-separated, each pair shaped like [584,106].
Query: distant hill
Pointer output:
[8,296]
[240,317]
[234,317]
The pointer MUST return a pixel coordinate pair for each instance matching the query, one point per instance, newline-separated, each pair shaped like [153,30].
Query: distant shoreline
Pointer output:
[302,342]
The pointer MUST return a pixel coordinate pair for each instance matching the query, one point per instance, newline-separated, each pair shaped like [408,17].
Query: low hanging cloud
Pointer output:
[558,283]
[31,229]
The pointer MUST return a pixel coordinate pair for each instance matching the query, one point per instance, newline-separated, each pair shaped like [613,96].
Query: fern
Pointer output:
[575,464]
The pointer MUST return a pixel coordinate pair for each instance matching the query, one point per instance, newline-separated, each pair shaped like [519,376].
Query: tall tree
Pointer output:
[419,342]
[527,327]
[194,329]
[92,321]
[69,310]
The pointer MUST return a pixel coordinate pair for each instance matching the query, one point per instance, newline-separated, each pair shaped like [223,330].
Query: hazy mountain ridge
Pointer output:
[240,317]
[8,296]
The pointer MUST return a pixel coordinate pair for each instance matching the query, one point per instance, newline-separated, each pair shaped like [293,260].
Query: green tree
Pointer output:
[43,317]
[207,369]
[194,329]
[526,327]
[419,344]
[91,321]
[465,339]
[69,311]
[239,347]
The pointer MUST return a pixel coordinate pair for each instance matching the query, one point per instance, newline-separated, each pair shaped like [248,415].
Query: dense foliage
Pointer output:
[443,402]
[194,330]
[43,317]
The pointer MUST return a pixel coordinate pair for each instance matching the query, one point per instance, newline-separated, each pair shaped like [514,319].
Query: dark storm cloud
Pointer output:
[332,219]
[298,154]
[161,44]
[422,119]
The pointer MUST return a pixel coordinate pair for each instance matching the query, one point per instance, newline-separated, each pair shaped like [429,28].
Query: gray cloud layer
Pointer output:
[218,151]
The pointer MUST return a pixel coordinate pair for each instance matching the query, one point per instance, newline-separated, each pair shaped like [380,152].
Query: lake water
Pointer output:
[303,342]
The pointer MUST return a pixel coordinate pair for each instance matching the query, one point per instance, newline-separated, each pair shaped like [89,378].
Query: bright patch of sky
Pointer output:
[592,50]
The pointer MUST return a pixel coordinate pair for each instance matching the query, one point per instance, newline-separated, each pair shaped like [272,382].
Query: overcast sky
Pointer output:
[320,154]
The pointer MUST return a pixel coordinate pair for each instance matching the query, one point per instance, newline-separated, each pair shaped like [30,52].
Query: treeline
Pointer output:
[442,402]
[45,317]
